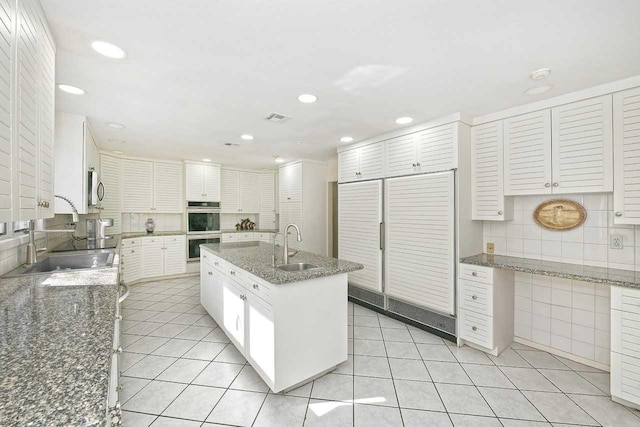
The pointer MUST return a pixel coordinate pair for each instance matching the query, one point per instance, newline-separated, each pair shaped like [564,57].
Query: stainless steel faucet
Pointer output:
[274,262]
[287,255]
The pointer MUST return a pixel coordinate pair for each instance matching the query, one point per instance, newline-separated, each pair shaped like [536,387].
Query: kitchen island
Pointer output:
[291,326]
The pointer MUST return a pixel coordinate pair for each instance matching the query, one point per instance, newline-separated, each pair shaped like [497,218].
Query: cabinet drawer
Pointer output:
[130,242]
[476,273]
[152,241]
[258,288]
[229,237]
[476,297]
[625,299]
[219,264]
[236,274]
[175,239]
[476,328]
[245,237]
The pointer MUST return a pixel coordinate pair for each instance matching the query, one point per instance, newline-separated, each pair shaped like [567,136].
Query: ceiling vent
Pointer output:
[276,118]
[232,144]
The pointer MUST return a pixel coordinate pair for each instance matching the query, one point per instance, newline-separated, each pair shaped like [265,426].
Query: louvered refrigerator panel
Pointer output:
[137,185]
[626,154]
[582,146]
[27,109]
[438,148]
[359,222]
[527,154]
[419,240]
[487,193]
[46,113]
[230,191]
[401,155]
[371,161]
[291,183]
[168,187]
[7,20]
[111,175]
[349,165]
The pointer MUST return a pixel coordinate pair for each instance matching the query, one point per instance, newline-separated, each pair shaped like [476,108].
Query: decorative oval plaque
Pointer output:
[560,215]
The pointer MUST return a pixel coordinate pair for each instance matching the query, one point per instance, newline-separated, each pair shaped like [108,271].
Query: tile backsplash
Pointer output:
[587,244]
[134,222]
[229,221]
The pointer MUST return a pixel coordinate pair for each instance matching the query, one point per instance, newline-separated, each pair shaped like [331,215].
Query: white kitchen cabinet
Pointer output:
[240,192]
[260,334]
[154,256]
[625,351]
[7,151]
[132,263]
[527,154]
[267,210]
[46,117]
[487,187]
[175,261]
[362,163]
[202,182]
[233,316]
[137,185]
[626,157]
[348,165]
[401,155]
[206,285]
[167,187]
[291,183]
[111,176]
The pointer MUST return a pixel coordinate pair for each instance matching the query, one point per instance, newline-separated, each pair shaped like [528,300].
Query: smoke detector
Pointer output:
[540,74]
[276,118]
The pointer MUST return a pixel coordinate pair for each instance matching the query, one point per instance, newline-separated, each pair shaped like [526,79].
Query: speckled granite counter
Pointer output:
[585,273]
[56,335]
[255,257]
[255,230]
[155,233]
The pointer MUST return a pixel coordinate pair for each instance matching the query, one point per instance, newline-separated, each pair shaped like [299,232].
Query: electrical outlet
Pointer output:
[490,248]
[616,241]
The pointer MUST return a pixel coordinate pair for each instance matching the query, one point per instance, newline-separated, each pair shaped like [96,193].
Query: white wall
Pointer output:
[587,244]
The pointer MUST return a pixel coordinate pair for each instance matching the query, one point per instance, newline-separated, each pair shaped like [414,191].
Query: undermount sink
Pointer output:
[298,266]
[69,261]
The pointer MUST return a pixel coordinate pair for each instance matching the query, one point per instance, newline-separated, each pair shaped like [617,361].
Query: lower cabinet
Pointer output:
[157,256]
[625,346]
[287,349]
[250,236]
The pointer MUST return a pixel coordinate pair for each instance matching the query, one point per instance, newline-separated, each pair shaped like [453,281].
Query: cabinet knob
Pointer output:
[133,251]
[210,273]
[414,165]
[233,273]
[473,297]
[473,328]
[216,263]
[547,185]
[255,286]
[475,273]
[418,164]
[618,214]
[117,350]
[499,212]
[118,317]
[555,184]
[204,256]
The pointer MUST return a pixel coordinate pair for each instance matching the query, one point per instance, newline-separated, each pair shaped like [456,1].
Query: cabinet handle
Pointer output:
[233,273]
[133,251]
[474,274]
[473,328]
[473,297]
[547,185]
[204,256]
[210,274]
[555,184]
[118,317]
[255,286]
[499,212]
[618,214]
[117,350]
[418,164]
[414,165]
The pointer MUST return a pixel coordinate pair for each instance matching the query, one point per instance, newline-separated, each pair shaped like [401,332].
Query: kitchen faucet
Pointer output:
[32,257]
[286,243]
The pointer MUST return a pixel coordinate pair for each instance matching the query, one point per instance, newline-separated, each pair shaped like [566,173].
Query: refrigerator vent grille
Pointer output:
[367,296]
[435,320]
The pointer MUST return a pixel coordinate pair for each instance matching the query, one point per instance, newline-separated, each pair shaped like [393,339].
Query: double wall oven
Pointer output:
[203,226]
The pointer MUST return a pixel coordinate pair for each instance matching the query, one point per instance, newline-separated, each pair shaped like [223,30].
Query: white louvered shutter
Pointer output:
[359,218]
[267,219]
[175,255]
[7,17]
[626,193]
[230,191]
[437,148]
[194,176]
[401,155]
[211,175]
[167,187]
[527,154]
[110,175]
[371,161]
[487,198]
[137,185]
[419,240]
[348,165]
[249,192]
[582,146]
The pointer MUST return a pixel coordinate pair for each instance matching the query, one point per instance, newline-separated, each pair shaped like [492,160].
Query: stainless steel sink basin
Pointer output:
[298,266]
[68,261]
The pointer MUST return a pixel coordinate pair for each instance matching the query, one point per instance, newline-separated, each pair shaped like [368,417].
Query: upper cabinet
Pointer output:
[267,218]
[291,183]
[151,186]
[361,163]
[567,149]
[202,182]
[111,176]
[240,192]
[167,187]
[7,150]
[626,152]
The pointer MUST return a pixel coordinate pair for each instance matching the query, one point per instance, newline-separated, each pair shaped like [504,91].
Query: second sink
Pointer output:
[298,266]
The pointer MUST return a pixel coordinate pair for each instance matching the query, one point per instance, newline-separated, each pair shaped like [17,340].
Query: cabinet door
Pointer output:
[46,119]
[217,293]
[111,173]
[249,192]
[233,316]
[359,223]
[167,187]
[527,154]
[267,218]
[419,240]
[291,183]
[260,333]
[132,264]
[401,155]
[438,148]
[371,161]
[137,180]
[487,193]
[211,176]
[348,165]
[152,257]
[230,202]
[206,287]
[582,146]
[7,20]
[175,255]
[626,157]
[194,177]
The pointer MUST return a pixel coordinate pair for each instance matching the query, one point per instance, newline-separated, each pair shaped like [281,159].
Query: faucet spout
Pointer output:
[286,242]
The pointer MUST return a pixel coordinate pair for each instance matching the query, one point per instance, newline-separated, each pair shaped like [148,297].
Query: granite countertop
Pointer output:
[255,230]
[585,273]
[255,257]
[56,332]
[155,233]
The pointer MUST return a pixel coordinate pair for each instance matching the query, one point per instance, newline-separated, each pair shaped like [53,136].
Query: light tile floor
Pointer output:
[179,369]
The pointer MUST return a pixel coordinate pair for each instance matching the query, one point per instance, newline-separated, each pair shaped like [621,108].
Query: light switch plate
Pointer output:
[616,241]
[490,248]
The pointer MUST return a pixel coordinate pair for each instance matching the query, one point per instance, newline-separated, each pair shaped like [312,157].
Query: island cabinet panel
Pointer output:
[626,157]
[625,346]
[290,333]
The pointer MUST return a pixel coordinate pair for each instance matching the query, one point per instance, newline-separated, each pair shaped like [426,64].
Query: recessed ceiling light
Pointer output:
[279,160]
[74,90]
[540,74]
[117,152]
[346,139]
[299,143]
[246,137]
[537,90]
[206,160]
[307,98]
[109,50]
[404,120]
[115,125]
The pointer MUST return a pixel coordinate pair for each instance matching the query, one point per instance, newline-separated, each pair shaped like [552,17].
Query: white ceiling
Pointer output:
[200,73]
